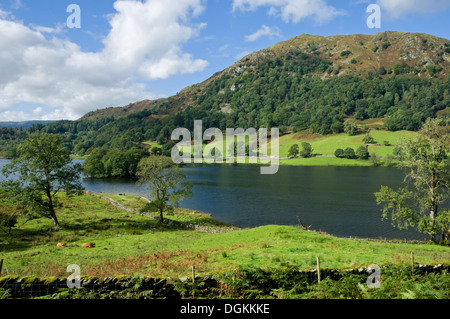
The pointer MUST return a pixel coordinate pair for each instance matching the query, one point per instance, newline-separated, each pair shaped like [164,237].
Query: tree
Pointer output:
[43,168]
[368,139]
[165,181]
[93,164]
[8,216]
[350,127]
[349,153]
[294,151]
[374,159]
[306,150]
[362,153]
[426,159]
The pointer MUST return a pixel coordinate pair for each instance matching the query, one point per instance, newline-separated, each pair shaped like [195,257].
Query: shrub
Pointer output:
[339,152]
[349,153]
[385,45]
[362,153]
[368,139]
[346,53]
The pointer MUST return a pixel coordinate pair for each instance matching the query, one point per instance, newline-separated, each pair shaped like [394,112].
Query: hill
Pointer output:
[418,54]
[23,124]
[305,83]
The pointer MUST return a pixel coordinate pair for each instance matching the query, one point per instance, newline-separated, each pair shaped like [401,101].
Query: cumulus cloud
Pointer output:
[397,8]
[265,31]
[292,10]
[144,44]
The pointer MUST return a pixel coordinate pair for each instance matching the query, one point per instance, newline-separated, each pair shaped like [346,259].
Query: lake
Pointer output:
[337,200]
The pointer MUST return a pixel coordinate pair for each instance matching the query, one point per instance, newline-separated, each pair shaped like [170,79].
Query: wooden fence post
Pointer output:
[1,266]
[318,268]
[193,281]
[412,263]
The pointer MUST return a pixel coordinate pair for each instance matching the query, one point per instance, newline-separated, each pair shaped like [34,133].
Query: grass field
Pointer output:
[128,243]
[325,146]
[152,144]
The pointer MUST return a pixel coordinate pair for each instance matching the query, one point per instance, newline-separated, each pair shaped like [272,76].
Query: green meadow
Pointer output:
[129,243]
[325,146]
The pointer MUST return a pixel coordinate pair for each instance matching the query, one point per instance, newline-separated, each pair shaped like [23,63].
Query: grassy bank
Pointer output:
[128,243]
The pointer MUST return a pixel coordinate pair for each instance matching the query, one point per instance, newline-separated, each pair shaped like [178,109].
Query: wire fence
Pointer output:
[30,287]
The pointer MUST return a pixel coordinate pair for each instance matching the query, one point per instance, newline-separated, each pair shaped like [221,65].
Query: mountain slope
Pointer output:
[417,54]
[308,82]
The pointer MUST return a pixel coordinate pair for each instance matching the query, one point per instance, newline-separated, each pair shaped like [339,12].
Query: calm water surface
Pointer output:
[338,200]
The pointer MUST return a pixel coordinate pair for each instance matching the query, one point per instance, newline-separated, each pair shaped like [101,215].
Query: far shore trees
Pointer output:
[306,150]
[362,153]
[368,139]
[349,153]
[339,152]
[419,203]
[42,169]
[166,183]
[294,150]
[103,163]
[350,127]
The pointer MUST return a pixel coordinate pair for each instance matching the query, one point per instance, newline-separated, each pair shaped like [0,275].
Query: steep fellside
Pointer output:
[415,54]
[308,82]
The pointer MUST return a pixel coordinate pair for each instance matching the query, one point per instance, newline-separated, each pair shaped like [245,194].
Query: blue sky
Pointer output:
[130,50]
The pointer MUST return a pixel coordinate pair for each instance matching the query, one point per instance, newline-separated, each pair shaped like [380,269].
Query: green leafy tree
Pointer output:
[350,127]
[294,150]
[93,164]
[426,159]
[339,152]
[307,150]
[362,153]
[166,182]
[43,168]
[337,127]
[8,216]
[374,159]
[349,153]
[368,139]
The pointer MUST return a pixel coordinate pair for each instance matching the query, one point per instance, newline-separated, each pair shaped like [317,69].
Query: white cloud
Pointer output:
[397,8]
[144,44]
[265,31]
[292,10]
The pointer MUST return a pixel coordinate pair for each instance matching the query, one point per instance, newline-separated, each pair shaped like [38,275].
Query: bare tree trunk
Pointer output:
[433,206]
[161,216]
[52,209]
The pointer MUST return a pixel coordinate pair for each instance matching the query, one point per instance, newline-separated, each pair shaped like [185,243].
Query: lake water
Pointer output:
[337,200]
